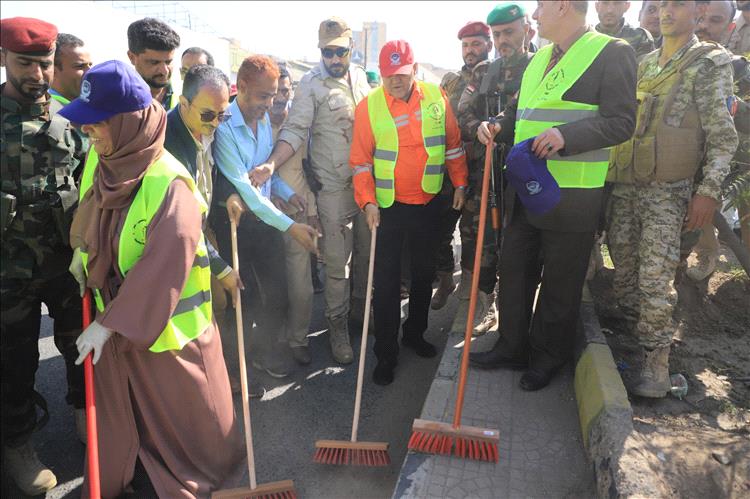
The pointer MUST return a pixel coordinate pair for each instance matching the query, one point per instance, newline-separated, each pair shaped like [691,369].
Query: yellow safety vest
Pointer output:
[541,106]
[193,313]
[386,141]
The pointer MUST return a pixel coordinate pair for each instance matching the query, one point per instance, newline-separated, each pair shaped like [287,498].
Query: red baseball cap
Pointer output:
[396,58]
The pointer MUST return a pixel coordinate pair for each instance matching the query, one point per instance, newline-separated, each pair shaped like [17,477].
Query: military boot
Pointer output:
[653,380]
[24,467]
[490,318]
[444,290]
[338,334]
[483,306]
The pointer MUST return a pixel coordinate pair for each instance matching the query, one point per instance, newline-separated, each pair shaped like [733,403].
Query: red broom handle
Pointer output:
[92,439]
[474,285]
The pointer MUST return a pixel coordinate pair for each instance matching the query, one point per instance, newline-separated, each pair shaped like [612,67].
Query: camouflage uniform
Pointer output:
[453,84]
[637,37]
[492,86]
[40,153]
[646,218]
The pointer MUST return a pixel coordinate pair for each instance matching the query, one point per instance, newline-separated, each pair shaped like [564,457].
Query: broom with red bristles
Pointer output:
[275,490]
[444,438]
[351,451]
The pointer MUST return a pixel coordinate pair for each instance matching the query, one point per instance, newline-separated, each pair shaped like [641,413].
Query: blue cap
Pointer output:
[107,89]
[536,187]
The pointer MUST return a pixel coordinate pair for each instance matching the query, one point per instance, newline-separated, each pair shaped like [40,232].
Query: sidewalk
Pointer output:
[541,449]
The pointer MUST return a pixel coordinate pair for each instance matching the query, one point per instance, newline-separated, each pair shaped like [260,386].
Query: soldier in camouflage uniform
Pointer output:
[612,23]
[714,26]
[475,49]
[663,180]
[492,86]
[40,153]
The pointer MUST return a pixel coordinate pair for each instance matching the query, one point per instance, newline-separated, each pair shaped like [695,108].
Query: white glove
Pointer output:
[76,268]
[92,338]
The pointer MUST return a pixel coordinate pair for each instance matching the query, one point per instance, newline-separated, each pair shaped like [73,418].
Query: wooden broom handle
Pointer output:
[474,285]
[365,328]
[243,366]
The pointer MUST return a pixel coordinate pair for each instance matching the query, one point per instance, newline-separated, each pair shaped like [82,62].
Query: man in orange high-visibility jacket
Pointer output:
[405,138]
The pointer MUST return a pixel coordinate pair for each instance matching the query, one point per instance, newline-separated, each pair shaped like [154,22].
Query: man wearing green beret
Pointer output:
[612,22]
[492,86]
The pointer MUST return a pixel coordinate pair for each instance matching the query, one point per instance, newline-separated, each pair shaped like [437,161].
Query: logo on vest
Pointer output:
[435,111]
[85,91]
[533,187]
[139,231]
[395,59]
[554,79]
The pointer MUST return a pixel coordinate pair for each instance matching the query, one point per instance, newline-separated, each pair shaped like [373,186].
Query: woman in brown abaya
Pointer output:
[172,409]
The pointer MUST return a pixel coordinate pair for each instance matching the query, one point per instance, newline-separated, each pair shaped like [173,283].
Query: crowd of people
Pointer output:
[113,183]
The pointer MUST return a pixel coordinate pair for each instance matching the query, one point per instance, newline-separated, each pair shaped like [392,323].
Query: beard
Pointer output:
[31,95]
[337,70]
[156,84]
[477,59]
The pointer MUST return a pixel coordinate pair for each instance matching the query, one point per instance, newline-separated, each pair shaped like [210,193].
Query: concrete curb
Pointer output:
[606,417]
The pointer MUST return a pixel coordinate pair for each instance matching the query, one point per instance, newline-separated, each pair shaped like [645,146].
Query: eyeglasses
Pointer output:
[209,116]
[339,52]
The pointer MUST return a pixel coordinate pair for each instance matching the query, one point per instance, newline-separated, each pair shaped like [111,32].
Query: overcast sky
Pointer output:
[286,29]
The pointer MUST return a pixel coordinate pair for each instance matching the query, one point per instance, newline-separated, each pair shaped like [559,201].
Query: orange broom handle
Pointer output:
[474,284]
[92,437]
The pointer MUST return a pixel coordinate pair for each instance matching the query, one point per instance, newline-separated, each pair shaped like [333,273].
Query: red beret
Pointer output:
[26,34]
[474,28]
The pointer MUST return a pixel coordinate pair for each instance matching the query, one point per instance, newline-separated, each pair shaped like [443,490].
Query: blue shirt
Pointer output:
[236,151]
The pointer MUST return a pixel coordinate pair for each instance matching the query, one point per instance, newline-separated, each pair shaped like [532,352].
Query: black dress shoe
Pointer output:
[420,346]
[497,359]
[535,379]
[383,373]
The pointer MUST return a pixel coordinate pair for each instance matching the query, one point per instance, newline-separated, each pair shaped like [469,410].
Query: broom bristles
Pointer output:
[355,453]
[465,441]
[275,490]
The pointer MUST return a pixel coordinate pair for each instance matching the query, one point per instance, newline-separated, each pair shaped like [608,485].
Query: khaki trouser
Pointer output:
[346,250]
[299,289]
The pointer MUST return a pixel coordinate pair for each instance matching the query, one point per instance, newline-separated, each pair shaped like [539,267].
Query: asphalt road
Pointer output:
[315,402]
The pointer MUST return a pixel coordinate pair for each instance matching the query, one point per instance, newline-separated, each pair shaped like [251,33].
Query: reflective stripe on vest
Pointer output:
[541,106]
[386,141]
[193,313]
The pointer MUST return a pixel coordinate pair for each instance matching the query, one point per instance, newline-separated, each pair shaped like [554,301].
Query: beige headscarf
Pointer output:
[138,139]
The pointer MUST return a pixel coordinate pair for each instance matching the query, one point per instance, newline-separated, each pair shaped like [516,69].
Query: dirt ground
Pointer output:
[700,445]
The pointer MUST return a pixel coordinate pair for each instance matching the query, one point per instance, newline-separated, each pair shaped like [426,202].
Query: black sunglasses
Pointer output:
[209,116]
[340,52]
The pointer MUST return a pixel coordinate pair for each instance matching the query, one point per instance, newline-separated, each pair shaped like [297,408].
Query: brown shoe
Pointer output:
[444,290]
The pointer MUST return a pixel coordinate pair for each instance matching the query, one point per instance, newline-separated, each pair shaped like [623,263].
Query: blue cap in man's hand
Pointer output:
[537,189]
[107,89]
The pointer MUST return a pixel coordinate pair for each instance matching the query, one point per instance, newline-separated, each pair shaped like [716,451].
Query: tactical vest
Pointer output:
[193,314]
[541,106]
[660,152]
[386,141]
